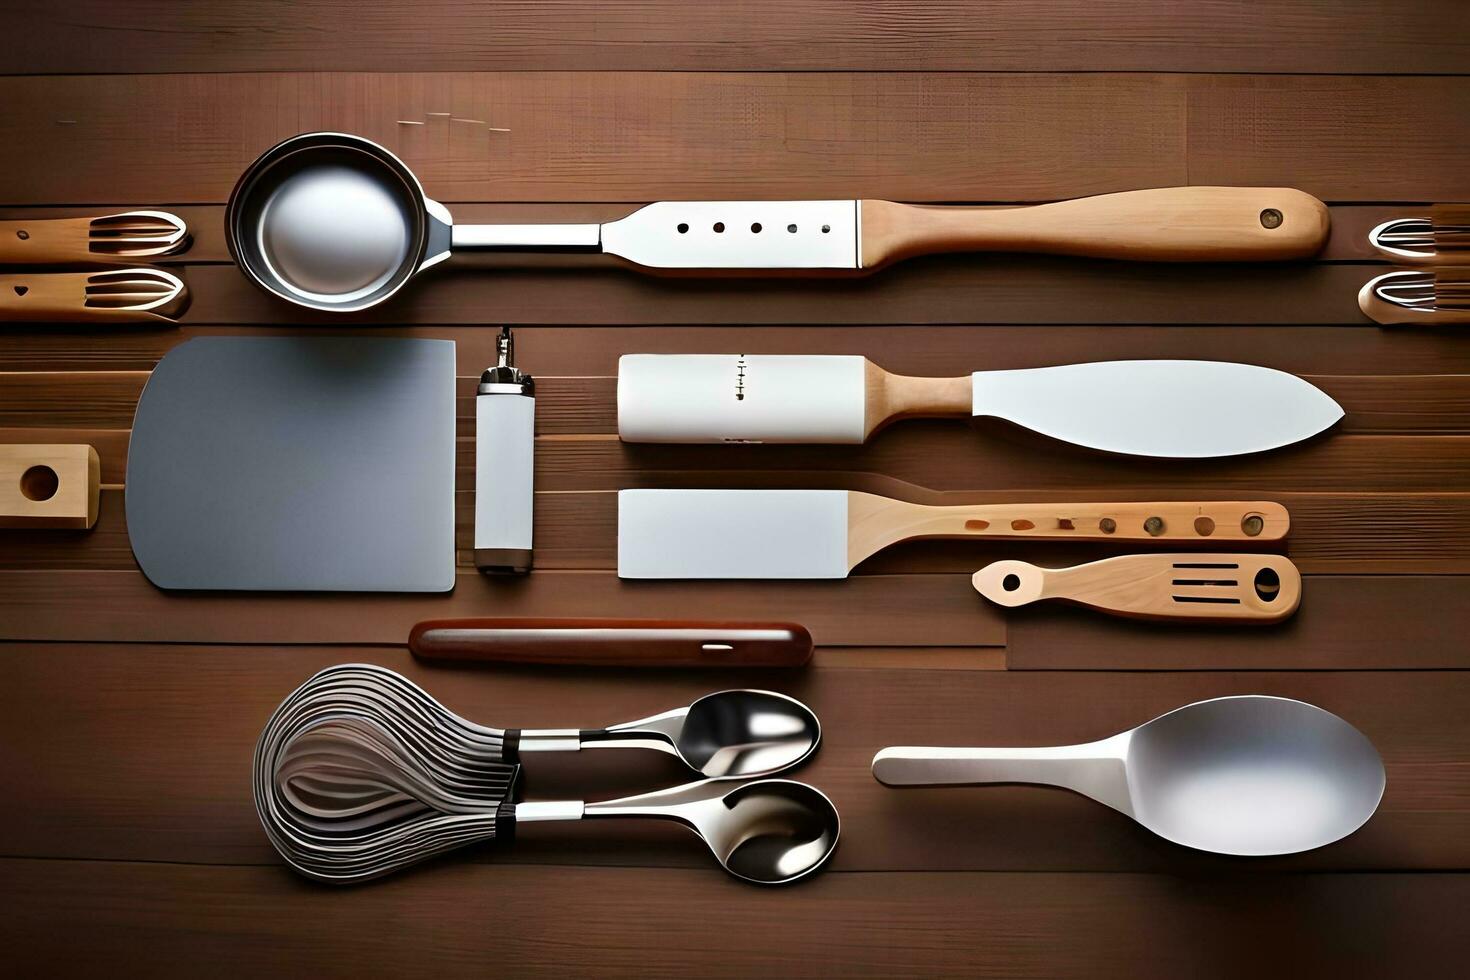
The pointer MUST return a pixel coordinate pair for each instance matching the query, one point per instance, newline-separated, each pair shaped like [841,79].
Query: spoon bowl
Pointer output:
[1251,775]
[740,734]
[333,222]
[768,832]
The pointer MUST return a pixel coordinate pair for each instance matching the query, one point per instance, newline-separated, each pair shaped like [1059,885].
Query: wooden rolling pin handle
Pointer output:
[1171,224]
[612,642]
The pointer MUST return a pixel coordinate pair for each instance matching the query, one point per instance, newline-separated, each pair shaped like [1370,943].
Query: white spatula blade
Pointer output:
[1164,408]
[732,534]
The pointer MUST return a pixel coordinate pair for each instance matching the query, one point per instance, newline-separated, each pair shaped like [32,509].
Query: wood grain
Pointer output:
[876,612]
[633,136]
[104,787]
[128,715]
[170,920]
[667,35]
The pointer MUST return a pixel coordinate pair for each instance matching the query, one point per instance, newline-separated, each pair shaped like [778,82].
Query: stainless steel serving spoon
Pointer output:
[769,831]
[727,735]
[1250,775]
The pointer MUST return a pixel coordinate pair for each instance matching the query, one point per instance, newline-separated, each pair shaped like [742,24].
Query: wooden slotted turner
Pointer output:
[141,295]
[1202,587]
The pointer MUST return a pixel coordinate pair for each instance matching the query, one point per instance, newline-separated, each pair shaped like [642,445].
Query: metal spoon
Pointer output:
[726,735]
[336,222]
[1251,775]
[770,831]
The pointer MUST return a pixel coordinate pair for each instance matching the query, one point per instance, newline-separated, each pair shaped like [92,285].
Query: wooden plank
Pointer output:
[103,786]
[587,405]
[951,289]
[931,462]
[1317,352]
[874,611]
[81,139]
[575,35]
[170,920]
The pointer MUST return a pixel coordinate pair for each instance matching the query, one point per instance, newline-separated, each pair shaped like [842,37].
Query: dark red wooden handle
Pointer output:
[612,642]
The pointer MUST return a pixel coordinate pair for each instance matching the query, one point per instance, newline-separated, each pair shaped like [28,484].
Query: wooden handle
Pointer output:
[888,397]
[1205,587]
[1173,224]
[112,296]
[876,522]
[612,642]
[105,238]
[49,486]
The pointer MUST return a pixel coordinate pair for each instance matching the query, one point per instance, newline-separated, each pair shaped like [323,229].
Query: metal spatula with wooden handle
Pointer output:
[1260,588]
[1177,409]
[776,534]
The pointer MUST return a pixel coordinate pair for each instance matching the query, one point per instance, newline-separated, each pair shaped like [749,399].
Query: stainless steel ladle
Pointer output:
[726,735]
[1250,775]
[335,222]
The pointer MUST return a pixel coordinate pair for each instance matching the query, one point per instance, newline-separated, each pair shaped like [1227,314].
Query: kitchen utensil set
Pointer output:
[1249,775]
[310,463]
[113,295]
[360,772]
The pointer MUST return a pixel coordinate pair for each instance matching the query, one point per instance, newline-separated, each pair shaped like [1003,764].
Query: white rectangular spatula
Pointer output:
[775,534]
[1163,408]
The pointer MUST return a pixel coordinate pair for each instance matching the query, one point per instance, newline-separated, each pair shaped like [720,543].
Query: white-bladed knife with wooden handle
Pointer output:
[779,534]
[1163,408]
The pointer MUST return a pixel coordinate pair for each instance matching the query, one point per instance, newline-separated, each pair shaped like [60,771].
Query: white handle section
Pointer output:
[741,398]
[505,433]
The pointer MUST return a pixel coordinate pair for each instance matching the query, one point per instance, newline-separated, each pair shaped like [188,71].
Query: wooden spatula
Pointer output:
[1262,588]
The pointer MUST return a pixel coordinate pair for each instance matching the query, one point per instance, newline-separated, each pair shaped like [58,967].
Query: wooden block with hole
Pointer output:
[49,486]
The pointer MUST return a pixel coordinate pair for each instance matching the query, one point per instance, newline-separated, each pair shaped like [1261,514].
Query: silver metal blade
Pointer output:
[1179,409]
[738,235]
[732,534]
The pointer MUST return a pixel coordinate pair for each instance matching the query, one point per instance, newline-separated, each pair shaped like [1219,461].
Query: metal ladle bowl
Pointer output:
[334,222]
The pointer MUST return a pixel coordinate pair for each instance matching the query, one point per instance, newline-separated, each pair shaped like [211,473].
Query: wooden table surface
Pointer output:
[127,715]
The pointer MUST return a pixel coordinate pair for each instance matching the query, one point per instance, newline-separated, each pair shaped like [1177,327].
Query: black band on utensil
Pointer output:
[510,745]
[505,822]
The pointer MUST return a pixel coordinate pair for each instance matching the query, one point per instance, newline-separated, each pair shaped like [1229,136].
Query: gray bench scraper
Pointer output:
[296,463]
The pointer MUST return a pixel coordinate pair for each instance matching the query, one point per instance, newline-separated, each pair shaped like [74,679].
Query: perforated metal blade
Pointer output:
[738,235]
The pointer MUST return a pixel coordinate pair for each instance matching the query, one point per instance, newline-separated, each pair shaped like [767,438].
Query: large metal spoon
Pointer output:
[726,735]
[1251,775]
[770,832]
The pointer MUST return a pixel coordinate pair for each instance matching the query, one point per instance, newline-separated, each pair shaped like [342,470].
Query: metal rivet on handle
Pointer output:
[1154,526]
[22,234]
[1107,525]
[1204,526]
[1271,218]
[1253,525]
